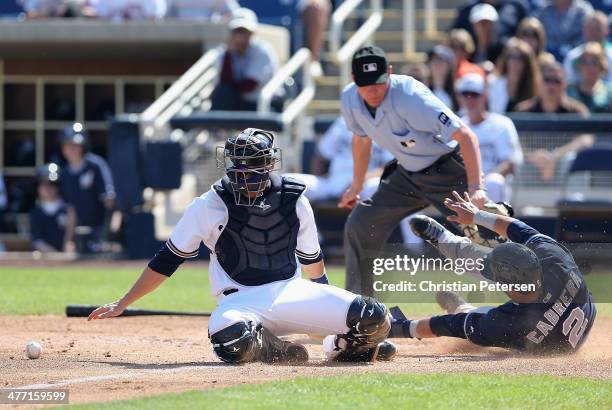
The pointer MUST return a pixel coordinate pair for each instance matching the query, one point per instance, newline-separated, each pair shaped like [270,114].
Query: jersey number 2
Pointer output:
[575,325]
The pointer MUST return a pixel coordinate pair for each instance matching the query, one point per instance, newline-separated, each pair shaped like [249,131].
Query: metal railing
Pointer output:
[409,19]
[301,59]
[342,54]
[187,93]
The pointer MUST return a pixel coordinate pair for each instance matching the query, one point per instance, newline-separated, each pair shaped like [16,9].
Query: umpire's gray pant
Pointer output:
[400,193]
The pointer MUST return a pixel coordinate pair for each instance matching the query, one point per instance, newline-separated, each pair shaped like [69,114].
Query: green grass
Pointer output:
[386,391]
[40,291]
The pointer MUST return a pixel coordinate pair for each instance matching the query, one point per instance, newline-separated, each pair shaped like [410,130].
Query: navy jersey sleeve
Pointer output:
[520,232]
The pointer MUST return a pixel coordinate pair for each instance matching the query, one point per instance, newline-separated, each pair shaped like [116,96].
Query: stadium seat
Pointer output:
[279,13]
[10,8]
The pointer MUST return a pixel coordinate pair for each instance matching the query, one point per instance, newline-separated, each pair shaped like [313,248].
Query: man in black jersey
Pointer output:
[556,317]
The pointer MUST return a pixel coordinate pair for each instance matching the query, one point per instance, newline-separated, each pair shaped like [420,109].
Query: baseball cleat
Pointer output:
[397,314]
[275,350]
[450,301]
[426,228]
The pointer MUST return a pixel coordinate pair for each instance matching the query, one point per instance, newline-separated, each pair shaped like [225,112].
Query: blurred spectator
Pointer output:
[546,161]
[120,10]
[592,91]
[562,21]
[500,149]
[52,222]
[595,29]
[36,9]
[553,97]
[86,184]
[315,16]
[418,71]
[201,9]
[484,20]
[516,78]
[462,45]
[442,66]
[532,32]
[510,12]
[246,65]
[334,150]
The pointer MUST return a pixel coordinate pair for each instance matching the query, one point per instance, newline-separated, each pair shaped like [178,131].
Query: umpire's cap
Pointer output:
[513,263]
[75,134]
[369,66]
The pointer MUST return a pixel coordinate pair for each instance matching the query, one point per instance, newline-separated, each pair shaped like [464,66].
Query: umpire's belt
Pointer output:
[454,154]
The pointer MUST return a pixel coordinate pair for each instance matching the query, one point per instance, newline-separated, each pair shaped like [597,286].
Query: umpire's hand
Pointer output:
[463,207]
[349,198]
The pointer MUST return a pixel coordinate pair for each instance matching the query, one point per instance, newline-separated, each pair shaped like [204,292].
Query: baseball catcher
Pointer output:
[260,232]
[556,317]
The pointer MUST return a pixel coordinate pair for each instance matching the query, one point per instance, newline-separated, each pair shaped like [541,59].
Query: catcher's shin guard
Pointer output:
[245,342]
[369,322]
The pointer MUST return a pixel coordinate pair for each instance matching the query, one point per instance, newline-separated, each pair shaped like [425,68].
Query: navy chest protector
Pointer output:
[257,245]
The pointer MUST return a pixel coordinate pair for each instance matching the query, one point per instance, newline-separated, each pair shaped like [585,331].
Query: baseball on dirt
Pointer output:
[33,350]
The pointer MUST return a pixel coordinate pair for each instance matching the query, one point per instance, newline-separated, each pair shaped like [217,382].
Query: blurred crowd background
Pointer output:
[497,57]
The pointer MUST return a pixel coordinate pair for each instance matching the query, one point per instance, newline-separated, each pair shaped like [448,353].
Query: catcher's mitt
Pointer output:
[484,236]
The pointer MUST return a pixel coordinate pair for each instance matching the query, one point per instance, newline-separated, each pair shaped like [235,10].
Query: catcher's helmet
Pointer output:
[513,263]
[75,134]
[248,159]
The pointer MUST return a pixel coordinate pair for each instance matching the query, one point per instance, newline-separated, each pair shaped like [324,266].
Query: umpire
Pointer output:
[429,143]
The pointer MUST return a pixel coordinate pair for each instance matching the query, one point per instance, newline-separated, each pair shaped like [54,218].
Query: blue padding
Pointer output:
[598,158]
[229,120]
[10,8]
[323,122]
[162,165]
[567,123]
[125,163]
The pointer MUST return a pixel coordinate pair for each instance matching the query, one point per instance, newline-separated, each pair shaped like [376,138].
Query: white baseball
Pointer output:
[33,350]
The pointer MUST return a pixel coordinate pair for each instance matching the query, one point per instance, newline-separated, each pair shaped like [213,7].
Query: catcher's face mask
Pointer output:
[248,160]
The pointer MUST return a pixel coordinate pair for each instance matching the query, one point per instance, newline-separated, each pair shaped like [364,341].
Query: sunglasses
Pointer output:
[553,80]
[515,56]
[470,94]
[529,33]
[589,61]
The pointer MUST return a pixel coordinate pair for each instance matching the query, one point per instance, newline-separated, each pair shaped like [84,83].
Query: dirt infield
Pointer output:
[127,357]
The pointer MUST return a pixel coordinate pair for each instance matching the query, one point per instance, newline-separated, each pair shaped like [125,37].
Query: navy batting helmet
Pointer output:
[48,172]
[513,263]
[75,134]
[248,159]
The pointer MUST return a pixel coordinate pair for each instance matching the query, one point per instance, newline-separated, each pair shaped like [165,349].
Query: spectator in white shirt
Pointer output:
[201,9]
[120,10]
[334,148]
[500,149]
[245,66]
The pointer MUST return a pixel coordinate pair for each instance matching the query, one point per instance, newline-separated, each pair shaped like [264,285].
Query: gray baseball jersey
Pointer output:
[411,123]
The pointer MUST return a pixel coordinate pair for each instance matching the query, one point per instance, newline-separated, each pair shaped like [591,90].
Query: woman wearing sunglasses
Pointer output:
[516,78]
[592,90]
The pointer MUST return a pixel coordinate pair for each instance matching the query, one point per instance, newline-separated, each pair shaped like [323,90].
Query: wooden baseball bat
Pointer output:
[85,311]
